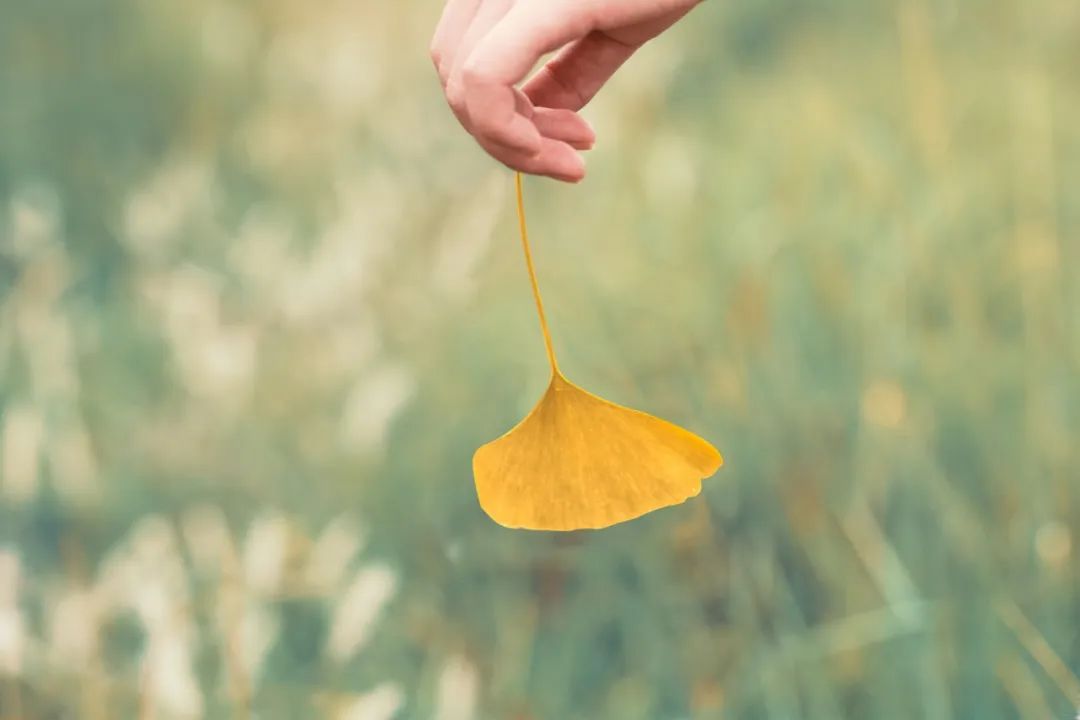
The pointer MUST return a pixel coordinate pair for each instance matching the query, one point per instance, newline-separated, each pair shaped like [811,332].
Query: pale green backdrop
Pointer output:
[261,298]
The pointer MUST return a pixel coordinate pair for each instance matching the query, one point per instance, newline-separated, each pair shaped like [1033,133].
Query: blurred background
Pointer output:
[261,299]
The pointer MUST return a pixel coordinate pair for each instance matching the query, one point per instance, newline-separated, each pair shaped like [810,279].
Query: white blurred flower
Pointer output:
[153,540]
[456,694]
[265,552]
[158,208]
[23,435]
[350,252]
[260,252]
[359,607]
[147,574]
[35,219]
[206,535]
[73,465]
[223,365]
[43,332]
[329,558]
[10,575]
[248,630]
[188,298]
[382,703]
[12,628]
[74,621]
[372,404]
[257,634]
[168,678]
[216,361]
[349,345]
[152,602]
[331,59]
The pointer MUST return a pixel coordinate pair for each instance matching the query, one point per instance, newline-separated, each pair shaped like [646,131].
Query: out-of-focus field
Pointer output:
[261,298]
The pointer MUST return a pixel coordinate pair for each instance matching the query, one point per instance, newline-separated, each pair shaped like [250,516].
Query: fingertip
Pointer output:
[561,161]
[586,140]
[577,177]
[519,134]
[585,144]
[568,168]
[524,140]
[565,126]
[590,131]
[579,169]
[584,131]
[555,160]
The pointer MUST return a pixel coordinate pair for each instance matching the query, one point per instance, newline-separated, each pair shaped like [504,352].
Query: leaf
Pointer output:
[578,461]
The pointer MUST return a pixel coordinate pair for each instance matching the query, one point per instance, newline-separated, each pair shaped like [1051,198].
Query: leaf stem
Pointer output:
[532,275]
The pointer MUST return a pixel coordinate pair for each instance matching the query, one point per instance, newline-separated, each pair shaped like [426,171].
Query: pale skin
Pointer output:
[485,49]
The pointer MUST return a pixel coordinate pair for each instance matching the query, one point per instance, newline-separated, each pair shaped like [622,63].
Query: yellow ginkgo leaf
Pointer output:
[578,461]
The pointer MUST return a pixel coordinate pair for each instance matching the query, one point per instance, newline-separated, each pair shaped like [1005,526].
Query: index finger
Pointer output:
[528,30]
[502,59]
[452,26]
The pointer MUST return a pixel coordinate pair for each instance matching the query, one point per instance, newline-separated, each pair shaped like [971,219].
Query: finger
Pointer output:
[522,104]
[493,115]
[555,159]
[456,16]
[488,14]
[502,58]
[635,21]
[564,125]
[575,75]
[528,30]
[531,28]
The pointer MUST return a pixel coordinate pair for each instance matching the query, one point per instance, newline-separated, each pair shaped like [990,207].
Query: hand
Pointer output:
[484,48]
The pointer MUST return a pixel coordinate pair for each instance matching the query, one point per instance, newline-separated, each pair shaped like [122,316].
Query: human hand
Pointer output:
[482,49]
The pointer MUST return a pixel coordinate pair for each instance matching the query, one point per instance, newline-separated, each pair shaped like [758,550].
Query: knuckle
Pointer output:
[472,73]
[455,95]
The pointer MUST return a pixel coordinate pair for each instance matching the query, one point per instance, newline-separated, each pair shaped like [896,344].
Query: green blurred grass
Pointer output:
[249,266]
